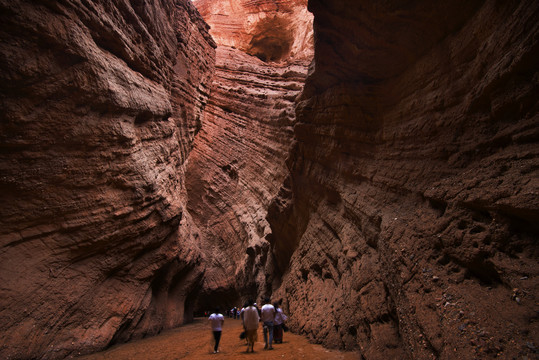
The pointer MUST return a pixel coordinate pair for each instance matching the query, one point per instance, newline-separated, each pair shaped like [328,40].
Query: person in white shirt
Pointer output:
[216,321]
[249,317]
[280,318]
[268,317]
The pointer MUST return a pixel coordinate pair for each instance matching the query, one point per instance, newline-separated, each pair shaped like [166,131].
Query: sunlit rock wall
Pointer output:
[408,225]
[273,30]
[237,166]
[238,160]
[100,103]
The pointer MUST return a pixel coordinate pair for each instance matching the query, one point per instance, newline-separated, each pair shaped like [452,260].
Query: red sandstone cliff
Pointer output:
[238,159]
[408,225]
[405,226]
[100,104]
[272,30]
[236,167]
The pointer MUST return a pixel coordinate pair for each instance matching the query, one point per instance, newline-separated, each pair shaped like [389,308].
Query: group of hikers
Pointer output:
[270,315]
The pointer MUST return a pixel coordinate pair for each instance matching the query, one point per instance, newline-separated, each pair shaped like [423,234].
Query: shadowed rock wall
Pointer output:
[408,225]
[100,103]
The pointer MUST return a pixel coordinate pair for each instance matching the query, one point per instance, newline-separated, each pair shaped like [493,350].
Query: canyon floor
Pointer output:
[194,341]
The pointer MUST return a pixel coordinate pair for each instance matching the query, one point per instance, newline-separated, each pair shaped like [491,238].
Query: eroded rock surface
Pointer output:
[100,103]
[236,167]
[238,160]
[402,224]
[407,227]
[272,30]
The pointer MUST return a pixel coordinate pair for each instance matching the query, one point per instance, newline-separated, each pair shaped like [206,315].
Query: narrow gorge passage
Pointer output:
[194,341]
[237,164]
[374,165]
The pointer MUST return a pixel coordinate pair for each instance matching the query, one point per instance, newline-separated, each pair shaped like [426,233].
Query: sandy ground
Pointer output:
[195,341]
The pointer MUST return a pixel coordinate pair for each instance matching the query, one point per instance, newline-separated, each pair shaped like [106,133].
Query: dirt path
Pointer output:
[194,341]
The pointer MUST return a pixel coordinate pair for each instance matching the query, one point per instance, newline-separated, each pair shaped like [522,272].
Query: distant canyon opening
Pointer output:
[373,165]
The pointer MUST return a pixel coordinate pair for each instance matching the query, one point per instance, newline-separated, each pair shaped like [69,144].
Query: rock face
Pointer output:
[272,30]
[407,226]
[393,206]
[238,160]
[235,169]
[100,104]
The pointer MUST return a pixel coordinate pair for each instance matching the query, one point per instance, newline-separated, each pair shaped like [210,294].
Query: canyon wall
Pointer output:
[238,159]
[407,227]
[100,103]
[392,206]
[272,30]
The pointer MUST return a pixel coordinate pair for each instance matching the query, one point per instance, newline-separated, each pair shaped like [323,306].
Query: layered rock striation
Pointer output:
[407,226]
[100,104]
[238,160]
[392,206]
[236,167]
[272,30]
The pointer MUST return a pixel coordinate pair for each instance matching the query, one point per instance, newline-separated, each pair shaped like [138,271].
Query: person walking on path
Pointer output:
[216,321]
[268,317]
[250,319]
[280,318]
